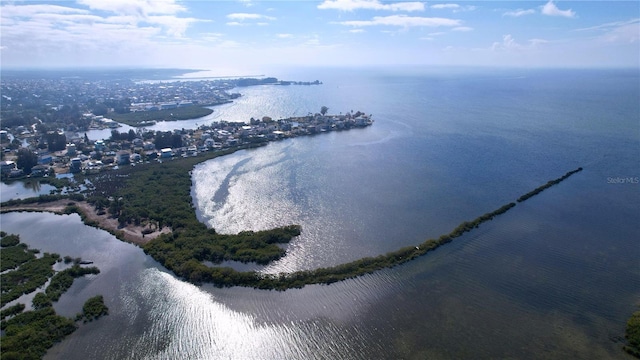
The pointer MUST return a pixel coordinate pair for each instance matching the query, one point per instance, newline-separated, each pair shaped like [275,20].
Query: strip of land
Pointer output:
[136,234]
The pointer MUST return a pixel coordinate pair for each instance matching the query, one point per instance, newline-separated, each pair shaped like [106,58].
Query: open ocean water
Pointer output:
[556,277]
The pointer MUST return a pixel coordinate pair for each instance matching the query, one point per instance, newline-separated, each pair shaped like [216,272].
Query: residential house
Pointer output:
[7,166]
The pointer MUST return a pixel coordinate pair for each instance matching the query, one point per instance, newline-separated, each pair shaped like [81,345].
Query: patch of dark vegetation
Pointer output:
[11,310]
[62,280]
[41,199]
[28,334]
[140,118]
[93,309]
[632,334]
[549,184]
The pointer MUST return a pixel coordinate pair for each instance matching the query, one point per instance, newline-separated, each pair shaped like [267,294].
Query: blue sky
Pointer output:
[242,36]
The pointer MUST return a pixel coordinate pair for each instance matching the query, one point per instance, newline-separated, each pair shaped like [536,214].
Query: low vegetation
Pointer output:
[28,277]
[28,334]
[11,310]
[632,334]
[93,309]
[62,280]
[549,184]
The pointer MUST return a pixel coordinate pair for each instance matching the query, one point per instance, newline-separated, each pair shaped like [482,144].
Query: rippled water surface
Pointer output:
[556,277]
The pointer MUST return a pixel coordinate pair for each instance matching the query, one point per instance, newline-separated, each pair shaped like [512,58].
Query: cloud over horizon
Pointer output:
[238,33]
[552,10]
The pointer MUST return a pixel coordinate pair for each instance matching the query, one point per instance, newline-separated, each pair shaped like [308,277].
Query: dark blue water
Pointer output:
[556,277]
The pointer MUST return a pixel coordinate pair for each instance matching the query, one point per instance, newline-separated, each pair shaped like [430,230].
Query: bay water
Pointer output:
[556,277]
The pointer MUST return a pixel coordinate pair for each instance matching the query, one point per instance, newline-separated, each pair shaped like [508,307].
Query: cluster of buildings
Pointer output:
[20,93]
[83,155]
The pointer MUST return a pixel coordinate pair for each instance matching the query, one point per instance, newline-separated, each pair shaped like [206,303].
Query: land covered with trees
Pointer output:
[141,118]
[28,334]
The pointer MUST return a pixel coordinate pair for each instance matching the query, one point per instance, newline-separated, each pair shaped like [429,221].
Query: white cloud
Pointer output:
[235,23]
[141,8]
[247,16]
[211,37]
[247,3]
[552,10]
[609,26]
[403,21]
[454,7]
[519,12]
[628,33]
[462,29]
[445,6]
[13,11]
[356,31]
[174,26]
[509,44]
[59,35]
[284,36]
[351,5]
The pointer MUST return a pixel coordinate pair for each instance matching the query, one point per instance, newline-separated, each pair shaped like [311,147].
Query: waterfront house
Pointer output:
[7,166]
[166,153]
[71,149]
[39,170]
[75,166]
[150,155]
[99,145]
[45,159]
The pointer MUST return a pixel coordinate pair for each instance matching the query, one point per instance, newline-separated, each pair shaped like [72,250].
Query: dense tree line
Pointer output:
[26,160]
[167,139]
[118,136]
[55,141]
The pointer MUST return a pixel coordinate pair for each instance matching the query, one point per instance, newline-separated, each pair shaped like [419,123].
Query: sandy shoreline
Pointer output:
[130,233]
